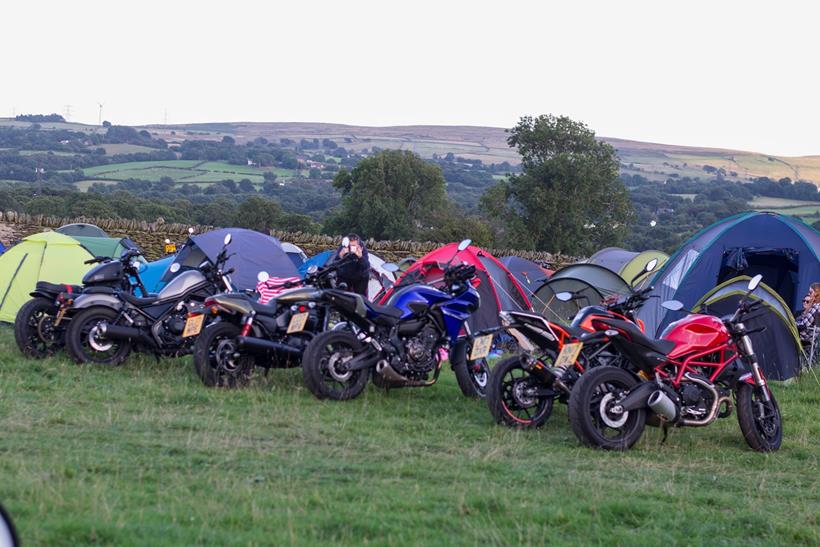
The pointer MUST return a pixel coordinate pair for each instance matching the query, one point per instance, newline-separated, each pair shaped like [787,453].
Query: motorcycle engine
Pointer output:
[421,353]
[695,400]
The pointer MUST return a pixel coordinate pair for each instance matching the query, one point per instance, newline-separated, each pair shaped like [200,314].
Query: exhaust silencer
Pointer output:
[663,406]
[261,346]
[117,332]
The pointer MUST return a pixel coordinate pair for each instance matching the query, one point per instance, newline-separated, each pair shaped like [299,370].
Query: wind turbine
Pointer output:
[99,119]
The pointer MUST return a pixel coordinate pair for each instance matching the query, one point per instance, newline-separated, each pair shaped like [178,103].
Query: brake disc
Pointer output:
[609,419]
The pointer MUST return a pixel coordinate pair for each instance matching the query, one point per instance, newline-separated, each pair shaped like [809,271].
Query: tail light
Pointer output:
[475,282]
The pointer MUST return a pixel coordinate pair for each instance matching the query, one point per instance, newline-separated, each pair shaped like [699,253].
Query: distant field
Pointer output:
[113,149]
[808,211]
[84,185]
[776,203]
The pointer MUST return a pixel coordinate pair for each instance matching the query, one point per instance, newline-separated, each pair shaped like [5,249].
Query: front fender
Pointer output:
[458,353]
[88,300]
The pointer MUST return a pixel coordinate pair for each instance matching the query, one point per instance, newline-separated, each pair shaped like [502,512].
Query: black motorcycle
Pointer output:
[107,326]
[40,325]
[245,334]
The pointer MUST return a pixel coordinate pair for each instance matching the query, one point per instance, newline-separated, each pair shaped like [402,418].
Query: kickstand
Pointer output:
[665,427]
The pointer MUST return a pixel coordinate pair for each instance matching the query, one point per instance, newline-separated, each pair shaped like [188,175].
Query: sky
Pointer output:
[728,74]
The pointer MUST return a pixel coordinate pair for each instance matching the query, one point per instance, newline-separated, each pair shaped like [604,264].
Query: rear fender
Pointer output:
[85,301]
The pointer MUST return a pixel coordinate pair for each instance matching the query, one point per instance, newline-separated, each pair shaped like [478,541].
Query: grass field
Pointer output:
[181,171]
[808,211]
[144,454]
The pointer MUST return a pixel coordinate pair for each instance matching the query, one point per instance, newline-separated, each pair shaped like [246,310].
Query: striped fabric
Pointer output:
[273,287]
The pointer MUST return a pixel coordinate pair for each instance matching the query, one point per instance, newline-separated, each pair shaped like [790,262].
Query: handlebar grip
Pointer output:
[230,271]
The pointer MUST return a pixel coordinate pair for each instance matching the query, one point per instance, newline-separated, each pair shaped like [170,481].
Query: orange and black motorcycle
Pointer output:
[522,389]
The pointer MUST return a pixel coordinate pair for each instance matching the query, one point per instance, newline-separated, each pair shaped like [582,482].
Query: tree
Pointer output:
[568,197]
[246,186]
[258,214]
[228,140]
[269,177]
[393,195]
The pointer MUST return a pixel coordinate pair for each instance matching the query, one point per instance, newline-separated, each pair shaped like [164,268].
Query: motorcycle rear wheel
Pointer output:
[34,329]
[590,403]
[215,359]
[760,421]
[508,401]
[323,366]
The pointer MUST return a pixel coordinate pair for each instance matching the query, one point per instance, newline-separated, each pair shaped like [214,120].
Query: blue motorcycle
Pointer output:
[400,343]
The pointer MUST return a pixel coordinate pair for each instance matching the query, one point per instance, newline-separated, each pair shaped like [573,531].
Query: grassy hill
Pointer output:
[489,144]
[144,454]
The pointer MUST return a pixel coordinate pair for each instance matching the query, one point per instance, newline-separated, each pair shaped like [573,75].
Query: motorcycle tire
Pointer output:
[34,329]
[588,415]
[214,357]
[319,370]
[472,376]
[508,405]
[760,422]
[85,347]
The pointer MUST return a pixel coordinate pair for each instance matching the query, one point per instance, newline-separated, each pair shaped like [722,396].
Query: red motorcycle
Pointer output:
[696,372]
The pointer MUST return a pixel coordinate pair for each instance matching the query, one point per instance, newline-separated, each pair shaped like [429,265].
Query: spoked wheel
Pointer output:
[595,415]
[34,329]
[324,366]
[759,419]
[86,343]
[217,359]
[516,397]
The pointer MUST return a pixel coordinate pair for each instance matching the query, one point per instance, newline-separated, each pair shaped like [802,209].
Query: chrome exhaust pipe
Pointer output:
[389,373]
[717,402]
[663,406]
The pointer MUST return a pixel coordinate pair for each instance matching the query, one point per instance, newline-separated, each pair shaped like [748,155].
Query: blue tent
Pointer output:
[781,248]
[529,274]
[2,248]
[252,252]
[153,272]
[318,260]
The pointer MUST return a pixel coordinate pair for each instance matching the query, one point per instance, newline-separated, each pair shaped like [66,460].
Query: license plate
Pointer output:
[193,326]
[569,354]
[481,347]
[298,322]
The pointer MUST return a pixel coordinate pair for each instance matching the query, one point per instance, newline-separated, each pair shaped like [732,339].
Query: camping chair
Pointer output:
[813,355]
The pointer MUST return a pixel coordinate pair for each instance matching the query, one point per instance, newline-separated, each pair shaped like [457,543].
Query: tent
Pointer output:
[2,248]
[379,277]
[111,247]
[529,274]
[605,281]
[80,229]
[778,347]
[252,252]
[781,248]
[628,264]
[48,256]
[499,289]
[152,273]
[295,254]
[545,303]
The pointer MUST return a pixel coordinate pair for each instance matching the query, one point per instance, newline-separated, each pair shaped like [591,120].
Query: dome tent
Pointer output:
[778,346]
[152,273]
[781,248]
[81,229]
[48,256]
[606,281]
[628,265]
[295,253]
[529,274]
[498,287]
[111,247]
[545,303]
[2,248]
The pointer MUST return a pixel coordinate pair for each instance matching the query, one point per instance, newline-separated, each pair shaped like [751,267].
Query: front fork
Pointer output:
[760,381]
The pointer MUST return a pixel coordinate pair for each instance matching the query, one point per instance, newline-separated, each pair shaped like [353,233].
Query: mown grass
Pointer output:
[144,454]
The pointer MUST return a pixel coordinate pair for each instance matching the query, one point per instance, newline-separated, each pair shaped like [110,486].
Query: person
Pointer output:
[807,321]
[356,273]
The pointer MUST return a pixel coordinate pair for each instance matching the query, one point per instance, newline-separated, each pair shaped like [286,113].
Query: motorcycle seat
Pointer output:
[137,301]
[664,347]
[56,288]
[269,309]
[389,311]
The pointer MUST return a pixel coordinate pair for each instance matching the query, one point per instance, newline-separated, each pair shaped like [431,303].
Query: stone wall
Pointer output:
[151,236]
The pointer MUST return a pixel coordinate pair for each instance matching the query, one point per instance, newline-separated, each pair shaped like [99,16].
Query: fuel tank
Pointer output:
[108,273]
[695,333]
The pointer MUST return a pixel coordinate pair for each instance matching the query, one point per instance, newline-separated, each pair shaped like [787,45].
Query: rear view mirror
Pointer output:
[464,244]
[174,267]
[262,276]
[651,265]
[390,267]
[564,296]
[754,282]
[227,239]
[672,305]
[345,241]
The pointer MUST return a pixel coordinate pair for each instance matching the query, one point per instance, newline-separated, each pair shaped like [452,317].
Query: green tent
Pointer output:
[112,247]
[48,256]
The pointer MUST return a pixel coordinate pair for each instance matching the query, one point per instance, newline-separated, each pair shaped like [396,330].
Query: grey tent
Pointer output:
[81,229]
[628,265]
[545,303]
[252,252]
[529,274]
[605,281]
[778,346]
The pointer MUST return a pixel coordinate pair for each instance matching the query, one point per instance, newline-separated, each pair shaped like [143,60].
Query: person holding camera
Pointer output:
[356,271]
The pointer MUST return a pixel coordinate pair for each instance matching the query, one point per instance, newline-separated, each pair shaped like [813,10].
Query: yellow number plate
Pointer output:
[481,347]
[297,322]
[569,354]
[193,325]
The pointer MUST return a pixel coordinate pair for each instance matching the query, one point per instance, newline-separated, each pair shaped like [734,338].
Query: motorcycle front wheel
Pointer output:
[85,342]
[511,396]
[759,420]
[324,366]
[593,410]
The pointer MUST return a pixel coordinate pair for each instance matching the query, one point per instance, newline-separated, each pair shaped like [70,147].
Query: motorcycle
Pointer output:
[245,334]
[400,342]
[107,326]
[40,325]
[687,378]
[522,389]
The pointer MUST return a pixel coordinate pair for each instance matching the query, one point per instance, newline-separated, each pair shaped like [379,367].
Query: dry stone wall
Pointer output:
[151,236]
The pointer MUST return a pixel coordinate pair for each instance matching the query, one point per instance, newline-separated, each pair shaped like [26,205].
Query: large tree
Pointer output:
[392,195]
[568,197]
